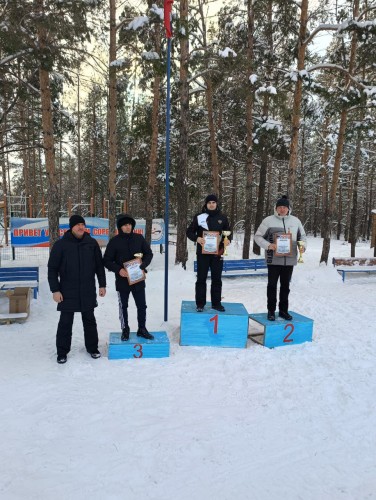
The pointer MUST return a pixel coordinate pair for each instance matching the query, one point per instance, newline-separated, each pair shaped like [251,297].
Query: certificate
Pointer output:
[284,245]
[211,242]
[135,274]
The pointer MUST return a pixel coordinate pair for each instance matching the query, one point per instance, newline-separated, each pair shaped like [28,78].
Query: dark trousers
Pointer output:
[140,300]
[283,273]
[215,264]
[64,332]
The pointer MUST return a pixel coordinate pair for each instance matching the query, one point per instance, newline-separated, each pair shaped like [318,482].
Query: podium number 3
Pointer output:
[139,350]
[291,326]
[215,319]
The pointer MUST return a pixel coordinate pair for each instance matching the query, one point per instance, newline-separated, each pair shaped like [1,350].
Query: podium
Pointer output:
[214,328]
[138,347]
[282,332]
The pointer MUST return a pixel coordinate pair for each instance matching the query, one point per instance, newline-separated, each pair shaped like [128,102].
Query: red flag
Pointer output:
[167,17]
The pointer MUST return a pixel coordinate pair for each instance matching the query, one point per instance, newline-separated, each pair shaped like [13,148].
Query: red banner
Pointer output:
[167,17]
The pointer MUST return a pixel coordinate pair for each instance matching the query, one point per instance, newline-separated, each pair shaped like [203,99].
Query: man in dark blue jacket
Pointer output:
[122,248]
[74,261]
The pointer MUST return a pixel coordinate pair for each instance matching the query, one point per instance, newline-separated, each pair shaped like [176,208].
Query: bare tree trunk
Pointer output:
[25,163]
[182,171]
[152,180]
[324,180]
[340,143]
[112,130]
[49,153]
[340,212]
[94,159]
[4,180]
[299,211]
[48,137]
[264,156]
[233,196]
[216,170]
[295,119]
[249,120]
[78,141]
[153,160]
[216,173]
[354,212]
[370,199]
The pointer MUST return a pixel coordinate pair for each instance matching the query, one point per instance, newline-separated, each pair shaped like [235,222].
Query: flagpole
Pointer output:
[168,112]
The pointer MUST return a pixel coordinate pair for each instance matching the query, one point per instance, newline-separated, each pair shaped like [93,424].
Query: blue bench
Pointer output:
[355,265]
[355,270]
[241,268]
[13,277]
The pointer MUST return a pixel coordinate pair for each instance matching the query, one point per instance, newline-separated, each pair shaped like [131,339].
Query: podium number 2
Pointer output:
[139,350]
[291,326]
[215,319]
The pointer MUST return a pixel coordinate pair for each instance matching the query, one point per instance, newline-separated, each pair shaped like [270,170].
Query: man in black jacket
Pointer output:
[74,261]
[122,248]
[211,219]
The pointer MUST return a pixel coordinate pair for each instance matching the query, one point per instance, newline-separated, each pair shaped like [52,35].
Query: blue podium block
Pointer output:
[137,347]
[214,328]
[281,332]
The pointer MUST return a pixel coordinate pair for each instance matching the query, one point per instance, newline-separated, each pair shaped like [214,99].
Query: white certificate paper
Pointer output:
[135,274]
[211,242]
[283,242]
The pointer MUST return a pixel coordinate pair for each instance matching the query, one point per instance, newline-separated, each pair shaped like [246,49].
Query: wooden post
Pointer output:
[125,206]
[69,206]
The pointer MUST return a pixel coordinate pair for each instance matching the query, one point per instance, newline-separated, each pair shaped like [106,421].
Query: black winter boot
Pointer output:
[218,307]
[125,334]
[142,332]
[271,316]
[285,315]
[95,354]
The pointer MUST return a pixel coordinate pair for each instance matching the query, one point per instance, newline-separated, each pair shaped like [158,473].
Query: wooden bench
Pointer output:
[12,277]
[241,268]
[9,317]
[355,265]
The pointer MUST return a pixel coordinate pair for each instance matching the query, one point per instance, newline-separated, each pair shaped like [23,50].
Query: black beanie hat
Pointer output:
[211,197]
[125,219]
[76,219]
[283,202]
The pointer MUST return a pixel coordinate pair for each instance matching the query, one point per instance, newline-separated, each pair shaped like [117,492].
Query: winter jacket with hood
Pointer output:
[122,248]
[275,225]
[72,267]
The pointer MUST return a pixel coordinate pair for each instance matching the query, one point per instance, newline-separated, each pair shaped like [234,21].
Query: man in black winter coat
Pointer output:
[122,248]
[211,219]
[74,261]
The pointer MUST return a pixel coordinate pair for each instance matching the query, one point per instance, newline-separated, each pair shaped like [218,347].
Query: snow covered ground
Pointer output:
[296,422]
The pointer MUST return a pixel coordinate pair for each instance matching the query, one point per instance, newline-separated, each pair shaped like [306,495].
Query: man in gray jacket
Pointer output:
[280,228]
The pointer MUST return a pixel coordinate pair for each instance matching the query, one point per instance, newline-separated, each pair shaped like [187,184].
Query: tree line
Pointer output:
[268,97]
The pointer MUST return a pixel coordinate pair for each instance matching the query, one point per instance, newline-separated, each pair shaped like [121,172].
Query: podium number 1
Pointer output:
[291,326]
[215,319]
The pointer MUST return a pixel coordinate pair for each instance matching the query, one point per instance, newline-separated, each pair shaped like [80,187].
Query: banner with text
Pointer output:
[34,232]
